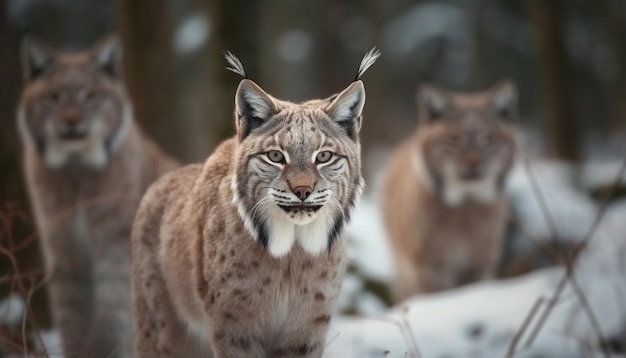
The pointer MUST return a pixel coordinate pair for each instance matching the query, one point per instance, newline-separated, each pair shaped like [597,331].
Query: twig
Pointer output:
[531,314]
[411,334]
[405,334]
[331,340]
[547,249]
[569,262]
[592,317]
[543,205]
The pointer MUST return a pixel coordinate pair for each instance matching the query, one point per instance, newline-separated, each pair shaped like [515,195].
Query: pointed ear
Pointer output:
[36,57]
[346,108]
[107,55]
[504,99]
[253,107]
[432,103]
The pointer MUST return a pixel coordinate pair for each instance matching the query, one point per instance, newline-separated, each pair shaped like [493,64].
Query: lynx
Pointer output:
[243,256]
[443,202]
[87,165]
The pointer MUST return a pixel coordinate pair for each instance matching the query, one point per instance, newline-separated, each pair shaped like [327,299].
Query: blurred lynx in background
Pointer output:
[444,206]
[87,165]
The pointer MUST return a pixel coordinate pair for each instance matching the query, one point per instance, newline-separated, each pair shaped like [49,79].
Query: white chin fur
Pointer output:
[311,235]
[457,191]
[282,234]
[91,154]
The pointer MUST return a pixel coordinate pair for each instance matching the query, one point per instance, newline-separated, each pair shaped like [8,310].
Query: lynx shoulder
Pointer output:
[87,165]
[443,200]
[246,252]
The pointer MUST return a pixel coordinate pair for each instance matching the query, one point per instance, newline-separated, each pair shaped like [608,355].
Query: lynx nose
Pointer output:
[71,126]
[71,120]
[302,192]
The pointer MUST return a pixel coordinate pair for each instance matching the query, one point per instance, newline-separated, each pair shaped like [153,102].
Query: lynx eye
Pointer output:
[455,139]
[323,157]
[54,97]
[276,156]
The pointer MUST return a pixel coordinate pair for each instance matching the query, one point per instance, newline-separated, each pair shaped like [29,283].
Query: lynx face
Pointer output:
[299,169]
[74,108]
[467,142]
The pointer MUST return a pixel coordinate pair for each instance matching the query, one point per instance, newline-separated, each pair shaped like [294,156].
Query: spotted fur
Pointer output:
[443,202]
[246,252]
[87,165]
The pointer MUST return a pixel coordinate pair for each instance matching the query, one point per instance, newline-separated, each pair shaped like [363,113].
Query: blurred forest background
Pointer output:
[568,58]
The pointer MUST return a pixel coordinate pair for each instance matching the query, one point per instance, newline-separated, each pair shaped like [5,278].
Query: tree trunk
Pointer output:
[553,65]
[16,225]
[146,31]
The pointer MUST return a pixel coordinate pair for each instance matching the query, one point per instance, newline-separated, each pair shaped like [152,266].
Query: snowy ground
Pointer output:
[480,320]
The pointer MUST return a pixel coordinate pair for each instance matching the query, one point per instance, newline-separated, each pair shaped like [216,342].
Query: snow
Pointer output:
[366,249]
[570,209]
[481,319]
[51,343]
[192,34]
[601,173]
[12,310]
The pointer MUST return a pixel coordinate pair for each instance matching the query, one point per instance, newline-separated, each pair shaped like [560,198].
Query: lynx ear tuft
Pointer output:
[107,54]
[234,64]
[253,107]
[368,60]
[36,57]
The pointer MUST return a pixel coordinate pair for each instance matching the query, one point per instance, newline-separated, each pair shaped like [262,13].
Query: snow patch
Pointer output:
[192,34]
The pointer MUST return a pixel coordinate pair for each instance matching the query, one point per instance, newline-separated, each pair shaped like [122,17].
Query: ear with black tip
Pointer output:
[504,99]
[36,57]
[432,103]
[107,55]
[253,107]
[346,108]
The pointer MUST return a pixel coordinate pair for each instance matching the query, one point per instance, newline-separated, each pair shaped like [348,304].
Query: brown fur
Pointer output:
[443,203]
[83,206]
[212,273]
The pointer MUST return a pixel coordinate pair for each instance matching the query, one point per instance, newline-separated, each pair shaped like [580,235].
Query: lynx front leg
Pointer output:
[158,331]
[231,339]
[405,282]
[111,333]
[307,339]
[71,304]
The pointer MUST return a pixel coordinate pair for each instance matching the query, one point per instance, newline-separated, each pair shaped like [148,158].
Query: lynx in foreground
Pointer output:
[243,256]
[87,166]
[443,200]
